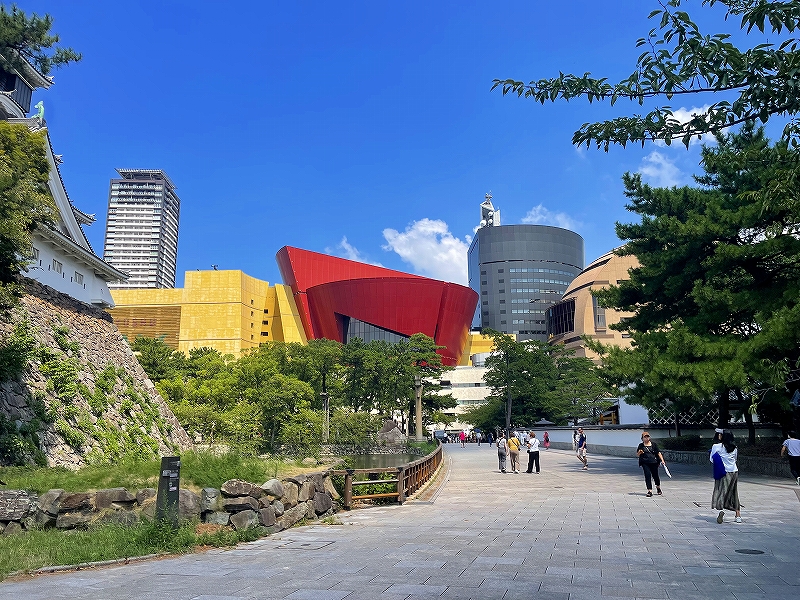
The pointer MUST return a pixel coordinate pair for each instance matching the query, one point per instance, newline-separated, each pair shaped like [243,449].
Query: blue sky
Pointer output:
[363,129]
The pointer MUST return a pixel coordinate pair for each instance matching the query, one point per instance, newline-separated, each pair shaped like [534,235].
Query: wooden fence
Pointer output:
[407,479]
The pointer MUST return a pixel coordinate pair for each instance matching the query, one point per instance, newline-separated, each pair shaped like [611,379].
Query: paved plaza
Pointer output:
[564,534]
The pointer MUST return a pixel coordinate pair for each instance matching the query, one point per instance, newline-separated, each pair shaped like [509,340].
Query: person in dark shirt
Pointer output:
[649,458]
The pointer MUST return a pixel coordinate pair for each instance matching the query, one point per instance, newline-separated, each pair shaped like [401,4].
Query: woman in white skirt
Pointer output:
[726,489]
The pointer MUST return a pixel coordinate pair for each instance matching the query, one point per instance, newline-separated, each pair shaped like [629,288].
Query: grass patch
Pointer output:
[42,548]
[198,470]
[427,447]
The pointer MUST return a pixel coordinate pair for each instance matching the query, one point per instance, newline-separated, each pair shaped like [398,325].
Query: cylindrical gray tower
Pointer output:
[519,271]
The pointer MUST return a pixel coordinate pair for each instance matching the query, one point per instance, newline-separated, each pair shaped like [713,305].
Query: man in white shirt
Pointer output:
[792,447]
[533,452]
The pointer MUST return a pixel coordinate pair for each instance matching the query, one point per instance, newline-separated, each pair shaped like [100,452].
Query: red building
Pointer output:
[339,299]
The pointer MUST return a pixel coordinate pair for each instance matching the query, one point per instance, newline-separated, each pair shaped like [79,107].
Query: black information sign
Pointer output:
[168,490]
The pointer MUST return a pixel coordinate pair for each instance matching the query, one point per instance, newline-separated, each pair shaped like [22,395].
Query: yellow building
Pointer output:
[477,343]
[578,313]
[226,310]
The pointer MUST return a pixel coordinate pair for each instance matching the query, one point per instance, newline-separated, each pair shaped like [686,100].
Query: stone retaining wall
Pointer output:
[68,424]
[275,505]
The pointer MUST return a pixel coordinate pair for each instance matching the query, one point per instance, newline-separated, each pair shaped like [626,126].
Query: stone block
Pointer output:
[236,487]
[278,506]
[217,518]
[209,499]
[48,503]
[11,528]
[274,488]
[306,491]
[310,512]
[15,505]
[289,498]
[266,516]
[293,515]
[71,520]
[118,498]
[330,489]
[77,501]
[188,505]
[127,518]
[322,503]
[244,519]
[239,504]
[143,495]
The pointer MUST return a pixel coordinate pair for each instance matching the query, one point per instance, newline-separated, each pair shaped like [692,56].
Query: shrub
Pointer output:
[16,350]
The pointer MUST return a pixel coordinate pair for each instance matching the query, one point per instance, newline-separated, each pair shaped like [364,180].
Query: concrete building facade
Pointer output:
[519,271]
[578,313]
[142,228]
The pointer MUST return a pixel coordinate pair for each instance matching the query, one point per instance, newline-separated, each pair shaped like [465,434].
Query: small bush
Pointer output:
[16,350]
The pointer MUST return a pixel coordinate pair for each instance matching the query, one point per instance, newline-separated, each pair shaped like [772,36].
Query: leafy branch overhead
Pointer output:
[28,39]
[679,60]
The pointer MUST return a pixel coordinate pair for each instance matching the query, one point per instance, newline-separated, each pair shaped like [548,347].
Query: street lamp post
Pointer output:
[326,408]
[508,399]
[418,407]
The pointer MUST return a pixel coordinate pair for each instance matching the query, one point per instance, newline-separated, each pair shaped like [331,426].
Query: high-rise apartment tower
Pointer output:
[142,228]
[520,271]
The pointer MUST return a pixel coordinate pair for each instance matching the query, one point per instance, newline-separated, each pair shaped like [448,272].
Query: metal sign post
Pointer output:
[169,491]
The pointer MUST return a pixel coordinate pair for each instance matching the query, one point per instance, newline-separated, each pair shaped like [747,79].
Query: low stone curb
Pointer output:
[89,565]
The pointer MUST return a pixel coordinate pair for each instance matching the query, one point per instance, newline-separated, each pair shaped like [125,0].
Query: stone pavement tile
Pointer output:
[617,592]
[464,581]
[312,594]
[422,590]
[454,592]
[370,595]
[752,596]
[477,595]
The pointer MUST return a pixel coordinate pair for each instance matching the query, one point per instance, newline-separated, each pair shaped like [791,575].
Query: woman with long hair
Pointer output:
[726,489]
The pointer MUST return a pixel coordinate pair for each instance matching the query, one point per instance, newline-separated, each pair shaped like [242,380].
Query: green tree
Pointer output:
[527,372]
[715,300]
[29,39]
[25,202]
[158,359]
[581,388]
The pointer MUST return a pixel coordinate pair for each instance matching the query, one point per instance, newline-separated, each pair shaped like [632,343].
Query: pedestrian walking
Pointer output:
[533,452]
[463,437]
[513,451]
[726,488]
[478,438]
[546,440]
[581,451]
[502,450]
[792,447]
[575,440]
[489,439]
[649,458]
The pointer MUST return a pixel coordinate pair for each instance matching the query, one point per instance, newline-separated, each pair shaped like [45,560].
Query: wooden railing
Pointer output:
[408,478]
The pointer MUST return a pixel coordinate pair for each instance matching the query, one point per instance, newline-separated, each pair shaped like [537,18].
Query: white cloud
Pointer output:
[429,247]
[539,215]
[684,115]
[659,171]
[346,250]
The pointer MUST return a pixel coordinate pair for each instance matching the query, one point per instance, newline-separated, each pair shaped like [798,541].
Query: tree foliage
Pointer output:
[24,38]
[716,298]
[25,202]
[270,397]
[679,60]
[545,382]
